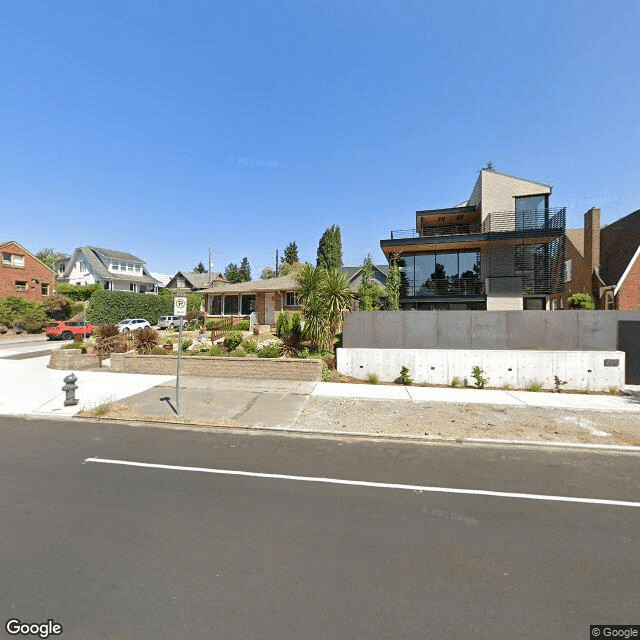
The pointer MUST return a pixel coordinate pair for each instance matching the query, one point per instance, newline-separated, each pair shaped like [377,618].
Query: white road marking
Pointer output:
[362,483]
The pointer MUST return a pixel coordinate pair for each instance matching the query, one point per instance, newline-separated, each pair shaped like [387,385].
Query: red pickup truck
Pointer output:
[67,330]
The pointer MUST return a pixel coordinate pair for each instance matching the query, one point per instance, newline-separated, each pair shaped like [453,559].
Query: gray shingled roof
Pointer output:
[352,272]
[282,283]
[92,255]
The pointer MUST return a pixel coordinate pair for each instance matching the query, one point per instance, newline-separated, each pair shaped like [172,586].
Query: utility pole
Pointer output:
[209,266]
[276,262]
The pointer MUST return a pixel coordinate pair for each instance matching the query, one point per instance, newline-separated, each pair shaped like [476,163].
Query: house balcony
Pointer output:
[442,287]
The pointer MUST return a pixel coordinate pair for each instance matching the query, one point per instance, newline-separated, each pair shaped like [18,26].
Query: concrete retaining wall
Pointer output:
[583,370]
[219,367]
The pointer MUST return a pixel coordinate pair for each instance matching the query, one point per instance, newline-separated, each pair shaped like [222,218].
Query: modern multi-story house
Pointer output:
[500,249]
[114,270]
[22,274]
[603,262]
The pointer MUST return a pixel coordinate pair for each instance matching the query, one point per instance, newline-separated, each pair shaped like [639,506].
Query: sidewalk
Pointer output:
[29,388]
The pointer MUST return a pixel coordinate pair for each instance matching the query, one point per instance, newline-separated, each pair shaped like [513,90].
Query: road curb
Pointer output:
[362,435]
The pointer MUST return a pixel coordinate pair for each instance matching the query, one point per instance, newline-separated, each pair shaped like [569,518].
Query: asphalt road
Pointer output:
[112,551]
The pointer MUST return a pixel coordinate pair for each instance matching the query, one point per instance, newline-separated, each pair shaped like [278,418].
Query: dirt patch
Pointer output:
[456,421]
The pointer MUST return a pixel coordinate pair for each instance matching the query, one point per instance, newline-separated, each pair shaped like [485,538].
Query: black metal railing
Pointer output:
[442,287]
[550,219]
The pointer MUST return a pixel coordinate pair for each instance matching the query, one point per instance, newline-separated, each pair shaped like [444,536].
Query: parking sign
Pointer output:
[180,307]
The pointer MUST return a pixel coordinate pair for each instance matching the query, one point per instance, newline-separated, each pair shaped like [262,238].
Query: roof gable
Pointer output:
[17,244]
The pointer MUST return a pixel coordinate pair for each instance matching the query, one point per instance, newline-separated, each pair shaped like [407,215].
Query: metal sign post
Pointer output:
[179,309]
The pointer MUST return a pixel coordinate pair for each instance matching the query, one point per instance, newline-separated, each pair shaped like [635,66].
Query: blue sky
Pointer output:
[168,128]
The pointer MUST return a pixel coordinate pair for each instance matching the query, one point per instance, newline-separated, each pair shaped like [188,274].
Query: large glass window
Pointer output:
[231,305]
[530,211]
[248,304]
[215,305]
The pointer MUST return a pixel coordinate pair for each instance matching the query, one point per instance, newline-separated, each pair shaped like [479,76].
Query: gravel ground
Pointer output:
[398,417]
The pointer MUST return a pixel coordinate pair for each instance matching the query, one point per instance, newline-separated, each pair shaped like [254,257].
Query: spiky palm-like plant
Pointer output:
[337,295]
[316,323]
[146,339]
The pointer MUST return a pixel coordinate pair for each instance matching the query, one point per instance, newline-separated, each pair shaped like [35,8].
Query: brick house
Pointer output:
[23,275]
[604,262]
[266,297]
[501,249]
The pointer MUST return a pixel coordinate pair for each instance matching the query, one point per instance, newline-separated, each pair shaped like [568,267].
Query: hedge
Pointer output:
[114,306]
[77,292]
[18,311]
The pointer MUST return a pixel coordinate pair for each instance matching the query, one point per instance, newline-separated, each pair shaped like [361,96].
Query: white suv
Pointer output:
[131,324]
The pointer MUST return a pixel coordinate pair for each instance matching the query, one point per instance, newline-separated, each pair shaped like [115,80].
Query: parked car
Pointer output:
[131,324]
[67,330]
[170,322]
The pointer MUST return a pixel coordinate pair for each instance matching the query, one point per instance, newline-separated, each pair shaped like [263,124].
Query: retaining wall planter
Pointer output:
[220,367]
[72,359]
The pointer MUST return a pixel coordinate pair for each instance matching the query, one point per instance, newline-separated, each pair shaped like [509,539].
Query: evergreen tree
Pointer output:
[199,268]
[393,286]
[245,270]
[329,254]
[368,291]
[267,273]
[290,253]
[232,273]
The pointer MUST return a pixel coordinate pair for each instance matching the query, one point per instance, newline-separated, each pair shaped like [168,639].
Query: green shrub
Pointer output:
[157,351]
[404,376]
[242,325]
[16,311]
[457,382]
[296,325]
[74,345]
[78,292]
[269,350]
[283,324]
[534,385]
[115,306]
[581,301]
[215,351]
[76,309]
[238,353]
[249,346]
[194,303]
[372,378]
[232,340]
[304,354]
[186,344]
[478,374]
[326,374]
[210,324]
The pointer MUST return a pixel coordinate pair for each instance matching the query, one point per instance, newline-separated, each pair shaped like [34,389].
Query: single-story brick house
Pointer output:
[266,297]
[23,275]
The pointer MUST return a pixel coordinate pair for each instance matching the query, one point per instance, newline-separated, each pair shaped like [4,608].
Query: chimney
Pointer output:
[592,239]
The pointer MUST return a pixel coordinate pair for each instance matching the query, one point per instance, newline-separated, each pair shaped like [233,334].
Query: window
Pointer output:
[13,260]
[21,286]
[567,270]
[106,286]
[45,289]
[293,299]
[248,304]
[215,305]
[129,266]
[180,283]
[531,211]
[132,286]
[231,305]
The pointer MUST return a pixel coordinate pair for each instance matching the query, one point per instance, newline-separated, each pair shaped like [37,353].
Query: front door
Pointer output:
[269,308]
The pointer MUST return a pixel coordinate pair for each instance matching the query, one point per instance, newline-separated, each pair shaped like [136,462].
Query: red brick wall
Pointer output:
[629,294]
[33,268]
[580,275]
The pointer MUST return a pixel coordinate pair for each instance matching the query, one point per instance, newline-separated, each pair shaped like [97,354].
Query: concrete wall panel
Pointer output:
[525,330]
[597,331]
[560,330]
[454,330]
[488,329]
[358,330]
[420,329]
[388,329]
